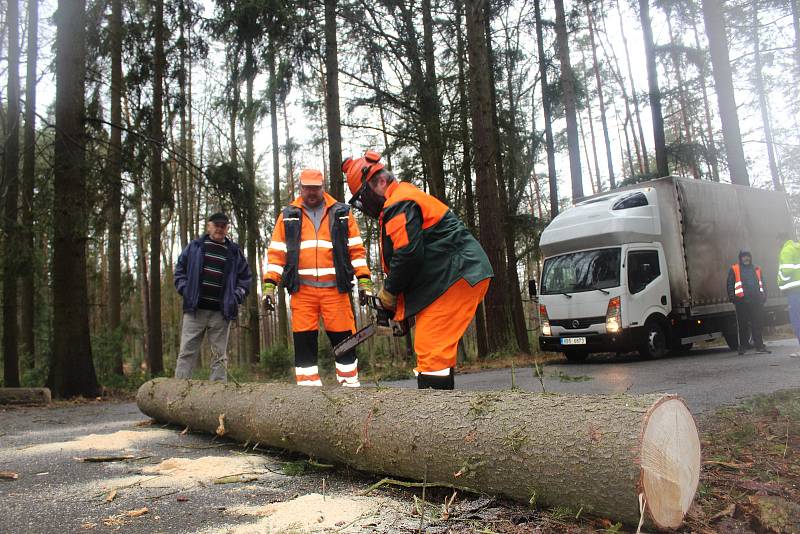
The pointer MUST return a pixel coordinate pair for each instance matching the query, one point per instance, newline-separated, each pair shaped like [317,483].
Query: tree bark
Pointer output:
[72,370]
[466,163]
[568,94]
[596,65]
[486,178]
[553,448]
[723,81]
[333,118]
[11,243]
[283,320]
[155,360]
[659,139]
[644,163]
[711,145]
[28,184]
[115,181]
[763,105]
[431,108]
[548,113]
[254,344]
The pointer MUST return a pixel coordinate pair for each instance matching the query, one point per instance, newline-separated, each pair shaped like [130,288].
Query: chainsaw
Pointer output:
[382,324]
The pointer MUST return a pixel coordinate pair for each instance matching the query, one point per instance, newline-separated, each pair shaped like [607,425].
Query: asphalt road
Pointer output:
[55,493]
[705,378]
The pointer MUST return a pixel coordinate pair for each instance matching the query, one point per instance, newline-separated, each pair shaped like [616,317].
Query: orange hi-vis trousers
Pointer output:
[308,304]
[440,325]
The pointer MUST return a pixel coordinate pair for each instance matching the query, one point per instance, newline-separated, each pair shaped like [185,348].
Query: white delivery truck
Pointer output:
[645,267]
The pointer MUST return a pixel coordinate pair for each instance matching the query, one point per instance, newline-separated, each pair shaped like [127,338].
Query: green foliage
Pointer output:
[277,361]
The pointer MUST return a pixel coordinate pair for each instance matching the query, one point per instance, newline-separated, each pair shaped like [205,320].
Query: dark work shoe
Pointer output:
[763,350]
[741,351]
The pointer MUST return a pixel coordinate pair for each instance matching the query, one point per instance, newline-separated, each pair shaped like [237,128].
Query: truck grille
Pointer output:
[580,323]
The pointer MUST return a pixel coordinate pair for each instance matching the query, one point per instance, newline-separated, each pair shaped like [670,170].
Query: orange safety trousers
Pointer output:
[308,305]
[440,325]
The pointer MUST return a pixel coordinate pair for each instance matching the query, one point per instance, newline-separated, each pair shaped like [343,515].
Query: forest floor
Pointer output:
[102,466]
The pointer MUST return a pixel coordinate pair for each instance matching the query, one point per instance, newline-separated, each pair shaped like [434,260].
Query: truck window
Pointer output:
[581,271]
[643,268]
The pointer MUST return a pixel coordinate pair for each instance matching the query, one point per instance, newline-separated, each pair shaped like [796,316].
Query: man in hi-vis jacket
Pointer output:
[315,252]
[435,269]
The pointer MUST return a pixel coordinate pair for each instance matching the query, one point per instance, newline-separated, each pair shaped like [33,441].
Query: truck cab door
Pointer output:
[647,283]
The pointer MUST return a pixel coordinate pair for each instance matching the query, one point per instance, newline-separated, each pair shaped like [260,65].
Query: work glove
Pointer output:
[388,300]
[365,287]
[268,298]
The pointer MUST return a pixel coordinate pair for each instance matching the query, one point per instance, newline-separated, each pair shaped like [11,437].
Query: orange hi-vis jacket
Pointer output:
[315,265]
[738,288]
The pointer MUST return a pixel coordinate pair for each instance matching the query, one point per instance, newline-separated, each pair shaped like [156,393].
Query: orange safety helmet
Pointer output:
[360,170]
[311,177]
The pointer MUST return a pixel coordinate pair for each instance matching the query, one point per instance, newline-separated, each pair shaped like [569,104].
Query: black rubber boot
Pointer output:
[436,382]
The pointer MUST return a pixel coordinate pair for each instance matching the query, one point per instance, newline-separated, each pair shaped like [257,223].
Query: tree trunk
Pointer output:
[711,145]
[289,148]
[598,453]
[796,25]
[682,96]
[283,321]
[155,360]
[28,184]
[431,108]
[182,197]
[723,81]
[254,344]
[72,370]
[659,139]
[762,102]
[548,113]
[603,121]
[466,163]
[12,267]
[486,179]
[333,119]
[568,94]
[644,167]
[592,138]
[115,181]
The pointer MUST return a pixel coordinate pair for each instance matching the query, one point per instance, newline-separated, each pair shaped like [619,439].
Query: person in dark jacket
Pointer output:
[436,271]
[213,278]
[746,290]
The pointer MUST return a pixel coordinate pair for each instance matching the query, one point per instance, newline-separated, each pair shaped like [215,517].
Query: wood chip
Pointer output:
[233,479]
[181,498]
[221,428]
[137,513]
[111,496]
[8,475]
[185,431]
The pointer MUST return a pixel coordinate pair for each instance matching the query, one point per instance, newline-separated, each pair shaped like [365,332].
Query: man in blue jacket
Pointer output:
[213,278]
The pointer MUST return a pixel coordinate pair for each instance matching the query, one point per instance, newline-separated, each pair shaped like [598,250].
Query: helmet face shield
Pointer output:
[368,201]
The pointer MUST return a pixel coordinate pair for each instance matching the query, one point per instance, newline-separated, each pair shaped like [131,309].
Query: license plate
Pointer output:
[573,341]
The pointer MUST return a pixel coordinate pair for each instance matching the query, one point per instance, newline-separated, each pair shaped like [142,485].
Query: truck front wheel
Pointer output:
[655,343]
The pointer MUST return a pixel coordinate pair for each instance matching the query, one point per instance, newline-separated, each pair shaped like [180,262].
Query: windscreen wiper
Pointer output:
[602,290]
[566,294]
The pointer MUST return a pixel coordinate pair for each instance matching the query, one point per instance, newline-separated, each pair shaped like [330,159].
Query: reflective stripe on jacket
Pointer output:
[425,249]
[738,288]
[789,266]
[312,257]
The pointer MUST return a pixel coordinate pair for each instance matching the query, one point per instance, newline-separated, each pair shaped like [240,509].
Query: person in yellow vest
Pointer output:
[315,252]
[789,280]
[747,292]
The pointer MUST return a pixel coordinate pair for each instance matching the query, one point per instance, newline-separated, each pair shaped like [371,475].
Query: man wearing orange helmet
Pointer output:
[315,252]
[435,269]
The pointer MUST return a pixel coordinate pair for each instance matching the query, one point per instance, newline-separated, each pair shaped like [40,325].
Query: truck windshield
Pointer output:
[581,271]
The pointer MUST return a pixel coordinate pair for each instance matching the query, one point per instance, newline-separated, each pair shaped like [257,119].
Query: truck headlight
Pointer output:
[614,316]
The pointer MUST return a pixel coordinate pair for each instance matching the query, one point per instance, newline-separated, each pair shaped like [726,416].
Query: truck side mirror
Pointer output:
[532,288]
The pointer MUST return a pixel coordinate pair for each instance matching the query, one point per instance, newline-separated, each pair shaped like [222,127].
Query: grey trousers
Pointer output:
[195,325]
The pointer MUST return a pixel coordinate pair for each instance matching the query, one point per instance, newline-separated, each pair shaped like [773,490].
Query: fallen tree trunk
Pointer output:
[602,454]
[25,396]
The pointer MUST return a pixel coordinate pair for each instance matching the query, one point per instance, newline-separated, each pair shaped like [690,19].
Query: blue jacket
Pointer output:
[236,278]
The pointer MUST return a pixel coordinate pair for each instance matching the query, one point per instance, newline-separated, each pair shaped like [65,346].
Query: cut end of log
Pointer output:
[670,462]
